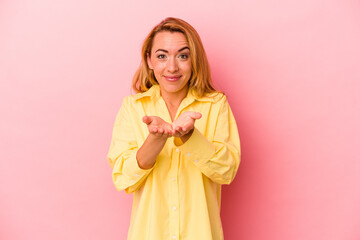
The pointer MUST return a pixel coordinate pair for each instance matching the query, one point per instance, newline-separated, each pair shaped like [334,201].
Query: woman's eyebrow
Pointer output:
[184,49]
[163,50]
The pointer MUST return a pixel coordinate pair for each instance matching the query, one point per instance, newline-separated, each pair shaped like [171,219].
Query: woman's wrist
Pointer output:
[187,136]
[146,155]
[144,165]
[157,137]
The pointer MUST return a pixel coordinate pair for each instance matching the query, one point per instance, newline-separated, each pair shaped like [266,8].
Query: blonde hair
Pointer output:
[200,79]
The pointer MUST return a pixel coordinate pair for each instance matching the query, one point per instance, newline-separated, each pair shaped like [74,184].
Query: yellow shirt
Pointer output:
[179,197]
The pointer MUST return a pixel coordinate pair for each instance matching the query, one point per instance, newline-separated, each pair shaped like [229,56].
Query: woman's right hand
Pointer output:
[159,132]
[158,127]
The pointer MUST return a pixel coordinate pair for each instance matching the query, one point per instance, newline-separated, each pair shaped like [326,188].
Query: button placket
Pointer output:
[174,194]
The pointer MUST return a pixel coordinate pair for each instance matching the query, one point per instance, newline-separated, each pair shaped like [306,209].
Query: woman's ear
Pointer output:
[149,61]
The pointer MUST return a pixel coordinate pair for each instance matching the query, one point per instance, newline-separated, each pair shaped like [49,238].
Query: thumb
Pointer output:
[147,120]
[195,115]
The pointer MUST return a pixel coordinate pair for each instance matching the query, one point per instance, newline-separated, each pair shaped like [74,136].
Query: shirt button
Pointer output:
[188,154]
[131,181]
[174,208]
[174,237]
[136,175]
[173,179]
[196,160]
[177,150]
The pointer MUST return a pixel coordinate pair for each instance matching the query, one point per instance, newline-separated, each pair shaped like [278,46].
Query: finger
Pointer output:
[180,131]
[174,127]
[165,131]
[147,120]
[195,115]
[177,134]
[173,132]
[153,129]
[169,131]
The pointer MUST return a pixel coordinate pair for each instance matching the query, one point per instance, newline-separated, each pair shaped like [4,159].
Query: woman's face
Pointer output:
[171,63]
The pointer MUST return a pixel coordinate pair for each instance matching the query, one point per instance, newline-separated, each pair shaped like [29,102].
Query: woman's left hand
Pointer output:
[183,126]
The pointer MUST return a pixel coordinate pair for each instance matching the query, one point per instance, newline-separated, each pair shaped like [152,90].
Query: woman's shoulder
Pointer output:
[153,92]
[132,98]
[214,97]
[128,101]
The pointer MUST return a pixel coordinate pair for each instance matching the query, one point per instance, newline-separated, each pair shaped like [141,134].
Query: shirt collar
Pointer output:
[154,93]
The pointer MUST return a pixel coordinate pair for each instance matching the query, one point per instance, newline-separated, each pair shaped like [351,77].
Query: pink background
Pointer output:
[291,70]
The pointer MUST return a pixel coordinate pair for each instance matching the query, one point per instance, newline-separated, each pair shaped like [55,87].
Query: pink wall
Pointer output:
[291,70]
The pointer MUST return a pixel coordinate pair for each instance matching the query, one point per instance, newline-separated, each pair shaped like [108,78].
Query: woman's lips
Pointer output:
[172,78]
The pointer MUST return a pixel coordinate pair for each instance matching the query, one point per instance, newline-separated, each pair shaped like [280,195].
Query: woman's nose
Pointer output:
[172,65]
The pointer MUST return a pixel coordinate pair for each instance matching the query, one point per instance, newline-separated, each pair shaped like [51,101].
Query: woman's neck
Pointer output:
[173,101]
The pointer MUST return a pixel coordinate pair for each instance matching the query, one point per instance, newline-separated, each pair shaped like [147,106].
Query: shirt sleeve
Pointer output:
[126,174]
[218,159]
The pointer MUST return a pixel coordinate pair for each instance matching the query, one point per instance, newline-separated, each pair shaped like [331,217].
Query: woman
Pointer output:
[175,142]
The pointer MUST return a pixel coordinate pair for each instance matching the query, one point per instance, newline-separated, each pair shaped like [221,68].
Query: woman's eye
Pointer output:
[184,56]
[161,56]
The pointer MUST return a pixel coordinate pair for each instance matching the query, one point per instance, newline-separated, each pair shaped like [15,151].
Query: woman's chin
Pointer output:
[172,89]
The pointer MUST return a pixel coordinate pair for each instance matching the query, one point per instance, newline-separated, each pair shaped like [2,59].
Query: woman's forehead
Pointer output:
[169,41]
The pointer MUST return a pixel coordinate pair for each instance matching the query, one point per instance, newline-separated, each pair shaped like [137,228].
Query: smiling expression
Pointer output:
[171,63]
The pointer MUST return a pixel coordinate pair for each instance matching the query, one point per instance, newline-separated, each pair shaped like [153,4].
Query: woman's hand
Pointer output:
[158,127]
[183,126]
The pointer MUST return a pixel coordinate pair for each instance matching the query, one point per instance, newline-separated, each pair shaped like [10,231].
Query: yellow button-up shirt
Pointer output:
[179,197]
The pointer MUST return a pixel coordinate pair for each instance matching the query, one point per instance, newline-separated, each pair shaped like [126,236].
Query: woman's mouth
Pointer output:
[172,78]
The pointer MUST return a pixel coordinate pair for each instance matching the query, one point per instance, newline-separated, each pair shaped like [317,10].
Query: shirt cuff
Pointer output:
[197,148]
[133,171]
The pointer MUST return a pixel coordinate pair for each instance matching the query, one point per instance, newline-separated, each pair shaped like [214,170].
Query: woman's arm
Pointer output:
[159,131]
[126,173]
[130,161]
[218,158]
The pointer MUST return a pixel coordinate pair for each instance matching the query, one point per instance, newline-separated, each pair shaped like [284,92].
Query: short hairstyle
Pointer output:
[200,79]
